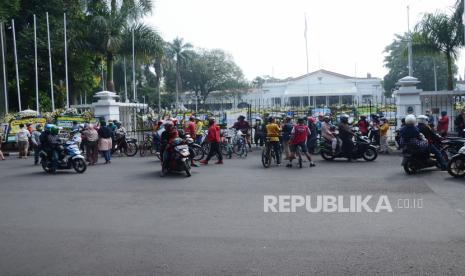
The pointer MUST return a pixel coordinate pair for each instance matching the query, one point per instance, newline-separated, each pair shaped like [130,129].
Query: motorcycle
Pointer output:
[196,151]
[456,166]
[126,145]
[69,156]
[414,160]
[450,146]
[179,159]
[362,149]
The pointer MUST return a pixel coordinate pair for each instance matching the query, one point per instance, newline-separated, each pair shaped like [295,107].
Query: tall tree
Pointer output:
[396,62]
[439,34]
[179,50]
[110,30]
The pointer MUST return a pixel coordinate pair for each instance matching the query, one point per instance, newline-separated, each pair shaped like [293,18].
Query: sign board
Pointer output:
[67,122]
[14,126]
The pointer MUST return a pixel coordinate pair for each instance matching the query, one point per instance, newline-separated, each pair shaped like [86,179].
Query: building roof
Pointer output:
[323,71]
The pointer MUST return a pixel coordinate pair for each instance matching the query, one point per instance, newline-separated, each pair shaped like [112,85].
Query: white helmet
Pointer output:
[410,119]
[422,119]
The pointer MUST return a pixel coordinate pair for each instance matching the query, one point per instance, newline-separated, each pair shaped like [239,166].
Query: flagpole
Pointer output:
[306,54]
[16,64]
[409,45]
[50,63]
[125,81]
[66,62]
[35,65]
[5,90]
[133,68]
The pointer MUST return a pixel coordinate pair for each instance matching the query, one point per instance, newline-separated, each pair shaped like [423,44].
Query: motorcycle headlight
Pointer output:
[462,150]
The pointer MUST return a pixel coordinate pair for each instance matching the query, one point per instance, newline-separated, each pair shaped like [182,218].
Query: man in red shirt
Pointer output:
[213,138]
[443,124]
[299,135]
[190,128]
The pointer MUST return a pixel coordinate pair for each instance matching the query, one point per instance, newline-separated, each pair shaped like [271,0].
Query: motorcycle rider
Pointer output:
[327,134]
[411,136]
[363,125]
[49,143]
[374,127]
[272,135]
[432,138]
[346,135]
[167,138]
[299,135]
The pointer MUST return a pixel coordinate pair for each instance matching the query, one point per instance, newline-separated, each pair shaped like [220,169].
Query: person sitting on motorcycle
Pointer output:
[410,136]
[327,134]
[346,135]
[167,138]
[49,143]
[272,135]
[190,128]
[244,127]
[299,135]
[432,138]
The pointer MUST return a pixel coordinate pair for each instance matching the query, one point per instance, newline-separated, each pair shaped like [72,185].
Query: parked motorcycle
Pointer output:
[179,159]
[126,145]
[362,149]
[69,157]
[196,151]
[456,166]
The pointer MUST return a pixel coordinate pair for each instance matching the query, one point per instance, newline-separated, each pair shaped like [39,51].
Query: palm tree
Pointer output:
[179,51]
[439,34]
[111,27]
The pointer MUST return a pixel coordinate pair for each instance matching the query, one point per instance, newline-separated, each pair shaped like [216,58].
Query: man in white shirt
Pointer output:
[22,139]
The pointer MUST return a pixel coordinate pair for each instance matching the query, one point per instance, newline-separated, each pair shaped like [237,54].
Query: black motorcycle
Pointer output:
[450,146]
[414,160]
[125,145]
[362,149]
[196,151]
[456,166]
[179,159]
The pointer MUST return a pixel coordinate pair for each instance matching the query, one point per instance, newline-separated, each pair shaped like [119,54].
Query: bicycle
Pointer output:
[268,154]
[240,147]
[147,145]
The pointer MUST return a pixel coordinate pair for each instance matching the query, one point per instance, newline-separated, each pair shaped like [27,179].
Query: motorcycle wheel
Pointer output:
[370,154]
[79,165]
[187,168]
[131,149]
[45,166]
[456,167]
[410,168]
[198,153]
[326,155]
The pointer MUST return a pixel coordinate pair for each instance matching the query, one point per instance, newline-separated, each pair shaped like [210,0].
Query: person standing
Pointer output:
[1,143]
[443,124]
[299,135]
[460,123]
[22,138]
[214,139]
[383,130]
[311,140]
[190,128]
[272,135]
[91,144]
[259,133]
[104,142]
[35,140]
[363,125]
[286,130]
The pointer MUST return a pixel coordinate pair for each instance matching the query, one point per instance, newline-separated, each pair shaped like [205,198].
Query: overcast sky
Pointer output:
[266,37]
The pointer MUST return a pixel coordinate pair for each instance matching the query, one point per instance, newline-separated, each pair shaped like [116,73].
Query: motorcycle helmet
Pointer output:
[241,118]
[48,126]
[270,119]
[168,125]
[300,120]
[38,127]
[344,118]
[177,141]
[54,130]
[422,119]
[410,120]
[311,119]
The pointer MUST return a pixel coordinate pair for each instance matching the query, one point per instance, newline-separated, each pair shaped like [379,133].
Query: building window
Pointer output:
[276,101]
[367,98]
[333,100]
[320,100]
[347,100]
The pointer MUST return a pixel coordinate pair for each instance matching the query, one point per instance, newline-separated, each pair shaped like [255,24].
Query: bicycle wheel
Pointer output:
[131,149]
[143,150]
[198,153]
[266,158]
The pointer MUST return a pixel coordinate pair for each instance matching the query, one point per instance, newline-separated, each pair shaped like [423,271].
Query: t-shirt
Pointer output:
[273,131]
[300,133]
[22,135]
[287,129]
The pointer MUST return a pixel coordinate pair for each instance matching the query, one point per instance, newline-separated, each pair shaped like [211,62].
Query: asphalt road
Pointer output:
[123,219]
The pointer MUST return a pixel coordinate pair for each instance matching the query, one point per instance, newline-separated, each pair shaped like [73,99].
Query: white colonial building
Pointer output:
[319,88]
